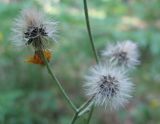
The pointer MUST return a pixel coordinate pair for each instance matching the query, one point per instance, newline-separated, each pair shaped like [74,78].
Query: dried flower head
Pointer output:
[37,58]
[33,28]
[109,86]
[123,54]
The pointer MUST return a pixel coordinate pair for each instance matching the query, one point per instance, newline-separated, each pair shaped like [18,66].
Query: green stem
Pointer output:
[86,104]
[85,110]
[90,114]
[93,47]
[80,109]
[89,30]
[54,78]
[74,118]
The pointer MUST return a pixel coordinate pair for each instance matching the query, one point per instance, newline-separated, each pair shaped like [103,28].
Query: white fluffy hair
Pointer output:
[123,53]
[110,86]
[32,18]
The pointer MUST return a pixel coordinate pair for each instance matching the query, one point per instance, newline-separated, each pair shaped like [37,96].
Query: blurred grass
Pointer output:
[27,95]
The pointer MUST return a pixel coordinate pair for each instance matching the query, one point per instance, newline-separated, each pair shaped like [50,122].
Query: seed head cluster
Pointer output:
[108,82]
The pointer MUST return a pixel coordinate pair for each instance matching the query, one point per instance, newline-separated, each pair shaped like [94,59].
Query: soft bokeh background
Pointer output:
[27,94]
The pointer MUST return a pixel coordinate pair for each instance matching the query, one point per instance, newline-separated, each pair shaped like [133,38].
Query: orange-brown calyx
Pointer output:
[37,59]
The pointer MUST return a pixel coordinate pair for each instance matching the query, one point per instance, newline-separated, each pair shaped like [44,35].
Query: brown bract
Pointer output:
[37,59]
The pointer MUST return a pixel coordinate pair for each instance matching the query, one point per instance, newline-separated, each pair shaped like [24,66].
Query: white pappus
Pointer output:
[123,54]
[110,86]
[33,28]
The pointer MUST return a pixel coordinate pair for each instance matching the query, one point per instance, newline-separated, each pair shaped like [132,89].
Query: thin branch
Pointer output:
[89,30]
[86,104]
[54,78]
[74,118]
[82,109]
[90,114]
[93,47]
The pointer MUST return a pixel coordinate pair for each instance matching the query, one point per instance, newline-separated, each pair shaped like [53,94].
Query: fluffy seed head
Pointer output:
[123,54]
[33,28]
[109,85]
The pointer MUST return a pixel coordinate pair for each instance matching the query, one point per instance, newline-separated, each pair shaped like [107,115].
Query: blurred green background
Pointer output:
[27,94]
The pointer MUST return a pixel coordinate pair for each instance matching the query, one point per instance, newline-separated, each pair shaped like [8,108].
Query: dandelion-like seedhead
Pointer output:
[33,28]
[109,85]
[123,53]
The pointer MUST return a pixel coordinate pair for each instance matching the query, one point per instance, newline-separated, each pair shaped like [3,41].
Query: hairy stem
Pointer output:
[54,78]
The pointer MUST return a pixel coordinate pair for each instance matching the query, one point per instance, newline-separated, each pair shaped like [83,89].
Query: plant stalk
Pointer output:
[93,47]
[90,114]
[89,30]
[81,109]
[54,78]
[74,118]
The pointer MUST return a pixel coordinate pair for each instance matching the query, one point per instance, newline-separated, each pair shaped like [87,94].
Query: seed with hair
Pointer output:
[123,54]
[109,85]
[33,28]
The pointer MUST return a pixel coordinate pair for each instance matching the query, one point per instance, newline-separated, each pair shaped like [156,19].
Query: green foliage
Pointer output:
[27,95]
